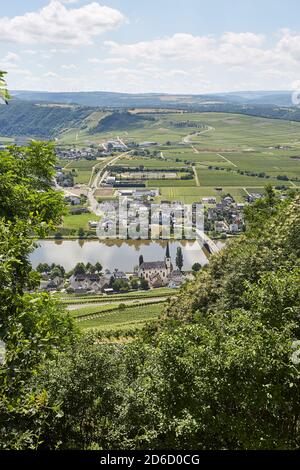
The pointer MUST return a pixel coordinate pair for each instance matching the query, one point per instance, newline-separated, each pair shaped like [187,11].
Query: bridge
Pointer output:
[207,242]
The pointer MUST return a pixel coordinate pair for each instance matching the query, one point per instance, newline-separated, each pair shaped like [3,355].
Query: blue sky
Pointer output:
[190,46]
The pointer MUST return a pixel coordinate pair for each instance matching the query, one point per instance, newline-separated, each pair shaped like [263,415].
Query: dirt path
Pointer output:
[196,176]
[226,160]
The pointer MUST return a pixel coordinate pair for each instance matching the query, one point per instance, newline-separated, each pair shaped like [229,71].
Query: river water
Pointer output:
[120,254]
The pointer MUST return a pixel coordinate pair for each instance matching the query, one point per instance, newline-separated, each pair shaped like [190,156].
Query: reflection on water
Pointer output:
[112,254]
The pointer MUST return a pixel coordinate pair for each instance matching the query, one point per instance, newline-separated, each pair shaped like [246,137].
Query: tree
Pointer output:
[196,267]
[98,267]
[43,268]
[179,258]
[3,88]
[134,283]
[88,267]
[80,269]
[33,326]
[120,285]
[144,284]
[26,192]
[57,271]
[141,260]
[81,232]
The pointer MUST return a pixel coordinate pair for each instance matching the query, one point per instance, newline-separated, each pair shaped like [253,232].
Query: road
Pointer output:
[100,177]
[103,173]
[188,137]
[196,176]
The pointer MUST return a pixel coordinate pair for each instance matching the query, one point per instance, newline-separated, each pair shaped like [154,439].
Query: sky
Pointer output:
[151,46]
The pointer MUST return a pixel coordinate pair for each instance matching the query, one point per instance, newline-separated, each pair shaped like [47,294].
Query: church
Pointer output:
[157,273]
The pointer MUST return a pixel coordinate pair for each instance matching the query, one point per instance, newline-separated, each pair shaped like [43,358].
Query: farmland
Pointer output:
[122,319]
[195,155]
[120,314]
[229,141]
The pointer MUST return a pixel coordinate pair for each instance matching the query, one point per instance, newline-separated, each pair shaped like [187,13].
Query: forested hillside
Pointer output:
[120,121]
[39,121]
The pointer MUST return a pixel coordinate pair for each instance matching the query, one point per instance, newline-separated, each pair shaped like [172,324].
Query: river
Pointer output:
[120,254]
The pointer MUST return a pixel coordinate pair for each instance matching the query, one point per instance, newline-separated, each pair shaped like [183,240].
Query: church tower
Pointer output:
[168,260]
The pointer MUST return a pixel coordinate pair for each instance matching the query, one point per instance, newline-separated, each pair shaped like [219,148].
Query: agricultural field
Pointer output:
[229,178]
[129,318]
[148,163]
[123,313]
[188,195]
[238,153]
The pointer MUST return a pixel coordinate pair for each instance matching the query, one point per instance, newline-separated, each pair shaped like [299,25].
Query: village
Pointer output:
[93,279]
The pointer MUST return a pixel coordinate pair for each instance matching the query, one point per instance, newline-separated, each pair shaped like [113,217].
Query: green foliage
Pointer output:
[196,267]
[88,408]
[120,285]
[179,258]
[119,121]
[33,327]
[144,284]
[25,185]
[3,88]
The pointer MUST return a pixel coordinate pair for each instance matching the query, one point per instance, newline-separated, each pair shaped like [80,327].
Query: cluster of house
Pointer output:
[120,146]
[137,217]
[156,273]
[226,215]
[74,153]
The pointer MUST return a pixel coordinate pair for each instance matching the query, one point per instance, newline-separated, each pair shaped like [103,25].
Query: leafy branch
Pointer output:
[3,88]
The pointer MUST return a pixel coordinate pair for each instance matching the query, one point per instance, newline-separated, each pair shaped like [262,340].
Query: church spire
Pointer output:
[168,260]
[168,251]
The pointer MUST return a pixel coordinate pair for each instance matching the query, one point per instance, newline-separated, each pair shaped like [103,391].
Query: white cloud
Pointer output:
[94,60]
[57,24]
[11,57]
[109,61]
[9,61]
[180,45]
[51,75]
[69,67]
[289,44]
[232,49]
[243,39]
[115,61]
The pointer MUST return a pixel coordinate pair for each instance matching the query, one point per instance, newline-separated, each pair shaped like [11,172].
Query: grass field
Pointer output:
[170,183]
[229,178]
[82,164]
[74,222]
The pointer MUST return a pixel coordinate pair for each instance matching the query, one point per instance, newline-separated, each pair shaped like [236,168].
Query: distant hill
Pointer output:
[126,100]
[45,120]
[116,100]
[120,121]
